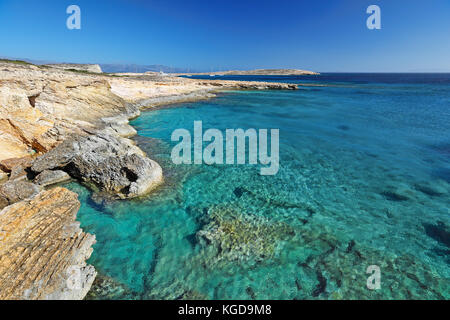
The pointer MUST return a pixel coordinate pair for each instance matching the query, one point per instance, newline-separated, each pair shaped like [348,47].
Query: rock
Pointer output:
[18,173]
[107,288]
[17,190]
[48,177]
[43,250]
[37,102]
[16,166]
[105,163]
[3,202]
[119,125]
[8,165]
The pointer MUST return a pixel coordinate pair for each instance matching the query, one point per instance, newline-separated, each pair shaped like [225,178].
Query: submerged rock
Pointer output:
[49,177]
[17,190]
[43,250]
[104,162]
[9,164]
[439,232]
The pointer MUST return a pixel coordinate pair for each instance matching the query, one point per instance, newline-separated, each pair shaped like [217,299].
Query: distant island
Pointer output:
[260,72]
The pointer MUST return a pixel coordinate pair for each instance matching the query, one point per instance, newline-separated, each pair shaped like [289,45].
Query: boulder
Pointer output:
[3,202]
[18,190]
[49,177]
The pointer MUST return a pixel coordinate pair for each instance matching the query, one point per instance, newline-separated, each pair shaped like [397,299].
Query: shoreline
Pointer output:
[59,125]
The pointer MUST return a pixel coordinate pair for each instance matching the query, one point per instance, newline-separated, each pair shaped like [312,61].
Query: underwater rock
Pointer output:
[251,293]
[343,127]
[3,202]
[351,244]
[192,295]
[16,167]
[107,288]
[175,289]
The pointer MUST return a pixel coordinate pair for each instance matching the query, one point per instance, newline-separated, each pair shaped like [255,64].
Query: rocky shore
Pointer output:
[57,125]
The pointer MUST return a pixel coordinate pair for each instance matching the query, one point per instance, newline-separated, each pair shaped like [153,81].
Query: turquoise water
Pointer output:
[364,180]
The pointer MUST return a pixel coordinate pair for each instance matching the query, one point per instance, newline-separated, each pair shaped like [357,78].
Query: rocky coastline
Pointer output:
[57,125]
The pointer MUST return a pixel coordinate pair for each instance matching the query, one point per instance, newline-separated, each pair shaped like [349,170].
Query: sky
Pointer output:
[205,35]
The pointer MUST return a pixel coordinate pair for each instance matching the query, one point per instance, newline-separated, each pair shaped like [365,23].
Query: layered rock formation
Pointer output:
[43,250]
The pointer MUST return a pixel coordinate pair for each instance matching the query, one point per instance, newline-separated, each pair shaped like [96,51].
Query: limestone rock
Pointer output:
[49,177]
[106,163]
[18,190]
[43,250]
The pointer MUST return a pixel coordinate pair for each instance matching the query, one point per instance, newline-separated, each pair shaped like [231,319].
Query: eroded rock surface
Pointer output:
[17,190]
[43,250]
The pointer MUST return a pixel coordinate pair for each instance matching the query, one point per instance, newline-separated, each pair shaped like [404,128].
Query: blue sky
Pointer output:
[327,35]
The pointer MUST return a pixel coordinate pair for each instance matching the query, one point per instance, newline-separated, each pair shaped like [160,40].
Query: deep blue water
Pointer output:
[364,180]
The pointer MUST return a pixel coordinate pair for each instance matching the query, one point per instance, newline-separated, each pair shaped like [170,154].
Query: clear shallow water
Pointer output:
[364,180]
